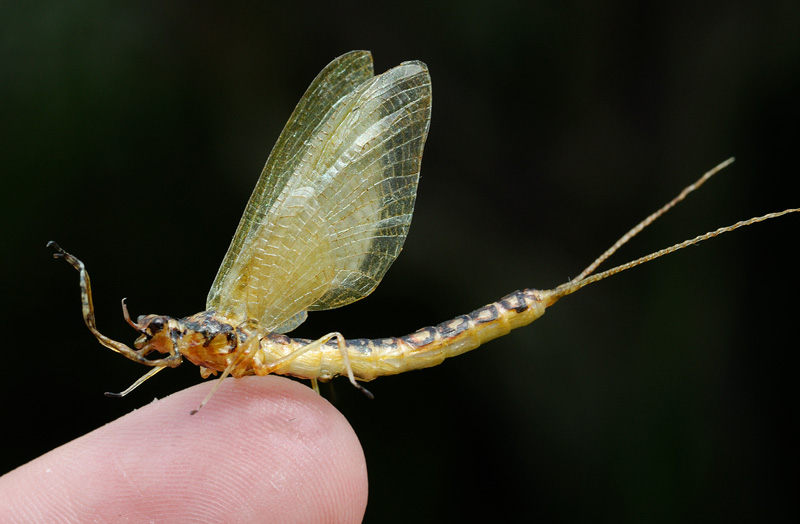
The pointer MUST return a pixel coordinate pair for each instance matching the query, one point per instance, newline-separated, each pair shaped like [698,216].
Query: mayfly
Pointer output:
[327,218]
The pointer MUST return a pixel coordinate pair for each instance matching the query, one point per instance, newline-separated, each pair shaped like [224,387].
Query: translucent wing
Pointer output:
[328,218]
[338,79]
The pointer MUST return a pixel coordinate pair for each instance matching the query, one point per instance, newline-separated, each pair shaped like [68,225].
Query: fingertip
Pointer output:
[263,449]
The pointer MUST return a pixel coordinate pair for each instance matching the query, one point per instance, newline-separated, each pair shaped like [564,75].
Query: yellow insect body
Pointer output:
[326,219]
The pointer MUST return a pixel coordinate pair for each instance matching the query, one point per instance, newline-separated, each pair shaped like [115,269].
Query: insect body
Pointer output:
[327,218]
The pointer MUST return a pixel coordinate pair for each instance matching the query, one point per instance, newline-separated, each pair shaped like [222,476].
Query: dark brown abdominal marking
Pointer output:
[419,338]
[453,328]
[515,301]
[485,314]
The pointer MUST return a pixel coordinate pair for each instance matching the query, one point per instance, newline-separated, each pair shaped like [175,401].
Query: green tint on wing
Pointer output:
[336,80]
[330,213]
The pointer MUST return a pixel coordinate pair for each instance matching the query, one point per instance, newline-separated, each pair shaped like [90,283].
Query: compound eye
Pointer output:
[156,325]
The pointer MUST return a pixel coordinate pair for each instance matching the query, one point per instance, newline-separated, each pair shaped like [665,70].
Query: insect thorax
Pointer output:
[206,339]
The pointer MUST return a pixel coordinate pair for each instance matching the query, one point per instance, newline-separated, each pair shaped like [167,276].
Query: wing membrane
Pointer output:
[329,215]
[336,80]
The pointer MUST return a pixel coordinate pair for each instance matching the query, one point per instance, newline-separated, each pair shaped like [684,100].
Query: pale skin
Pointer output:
[271,450]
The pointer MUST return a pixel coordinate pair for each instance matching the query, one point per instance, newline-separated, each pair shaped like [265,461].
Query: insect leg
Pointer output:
[261,370]
[171,361]
[348,367]
[136,384]
[241,353]
[279,363]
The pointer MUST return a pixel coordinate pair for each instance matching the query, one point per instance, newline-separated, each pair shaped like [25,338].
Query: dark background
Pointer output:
[133,134]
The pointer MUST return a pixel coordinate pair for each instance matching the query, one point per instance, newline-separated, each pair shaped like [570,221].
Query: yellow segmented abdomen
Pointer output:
[429,346]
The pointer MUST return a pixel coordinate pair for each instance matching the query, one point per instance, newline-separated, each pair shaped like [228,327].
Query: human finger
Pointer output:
[265,449]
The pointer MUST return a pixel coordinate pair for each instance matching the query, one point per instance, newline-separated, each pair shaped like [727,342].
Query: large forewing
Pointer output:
[341,219]
[338,79]
[374,180]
